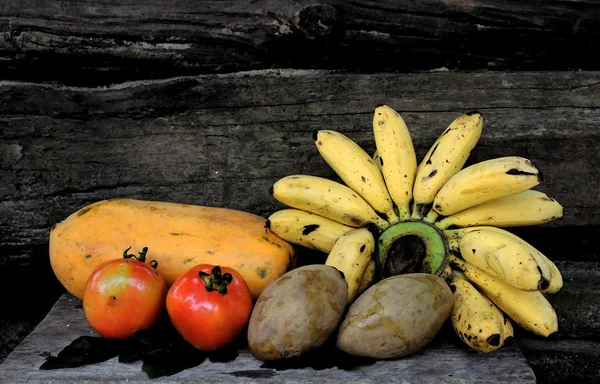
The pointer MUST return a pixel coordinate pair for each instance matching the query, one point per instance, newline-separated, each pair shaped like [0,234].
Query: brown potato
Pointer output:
[396,317]
[297,312]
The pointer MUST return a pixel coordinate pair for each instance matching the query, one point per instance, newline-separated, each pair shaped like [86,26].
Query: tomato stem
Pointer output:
[216,281]
[141,257]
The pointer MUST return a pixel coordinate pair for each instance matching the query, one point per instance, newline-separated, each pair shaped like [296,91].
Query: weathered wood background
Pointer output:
[211,102]
[102,42]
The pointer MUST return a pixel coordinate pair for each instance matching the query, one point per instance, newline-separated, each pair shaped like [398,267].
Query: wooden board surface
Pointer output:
[223,140]
[87,42]
[91,42]
[440,363]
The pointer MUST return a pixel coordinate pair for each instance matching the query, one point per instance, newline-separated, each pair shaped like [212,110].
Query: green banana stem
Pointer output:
[393,219]
[404,212]
[417,213]
[431,216]
[442,224]
[412,246]
[454,233]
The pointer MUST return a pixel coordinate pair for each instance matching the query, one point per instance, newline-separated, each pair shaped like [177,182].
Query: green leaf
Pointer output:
[83,351]
[135,351]
[167,362]
[162,350]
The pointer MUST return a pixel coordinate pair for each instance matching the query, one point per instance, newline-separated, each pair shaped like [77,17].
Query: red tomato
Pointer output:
[123,296]
[209,306]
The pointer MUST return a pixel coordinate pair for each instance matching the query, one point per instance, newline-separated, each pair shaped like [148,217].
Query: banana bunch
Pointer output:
[391,214]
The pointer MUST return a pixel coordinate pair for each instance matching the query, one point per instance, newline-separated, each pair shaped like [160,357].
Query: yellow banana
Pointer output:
[444,159]
[368,277]
[351,254]
[556,280]
[397,157]
[530,309]
[306,229]
[376,159]
[357,169]
[507,259]
[455,235]
[530,207]
[509,332]
[326,198]
[485,181]
[477,321]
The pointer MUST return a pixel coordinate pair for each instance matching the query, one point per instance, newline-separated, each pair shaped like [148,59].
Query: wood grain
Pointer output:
[223,140]
[562,361]
[66,322]
[88,42]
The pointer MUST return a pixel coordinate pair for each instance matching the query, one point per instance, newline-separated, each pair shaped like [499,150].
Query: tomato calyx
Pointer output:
[141,257]
[216,281]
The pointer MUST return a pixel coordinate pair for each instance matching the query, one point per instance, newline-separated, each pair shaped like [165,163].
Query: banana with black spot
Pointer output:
[351,254]
[482,182]
[306,229]
[444,159]
[455,238]
[357,169]
[478,322]
[530,309]
[397,158]
[530,207]
[326,198]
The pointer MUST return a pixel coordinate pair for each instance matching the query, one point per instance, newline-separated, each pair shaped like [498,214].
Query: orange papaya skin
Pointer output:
[178,237]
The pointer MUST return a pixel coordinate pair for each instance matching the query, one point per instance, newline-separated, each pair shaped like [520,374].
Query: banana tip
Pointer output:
[509,341]
[380,108]
[474,112]
[543,284]
[494,340]
[315,135]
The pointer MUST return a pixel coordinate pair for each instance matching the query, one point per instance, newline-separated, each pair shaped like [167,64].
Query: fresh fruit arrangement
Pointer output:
[408,247]
[433,217]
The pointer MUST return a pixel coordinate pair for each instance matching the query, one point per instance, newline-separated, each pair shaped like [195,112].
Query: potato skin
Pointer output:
[396,317]
[297,312]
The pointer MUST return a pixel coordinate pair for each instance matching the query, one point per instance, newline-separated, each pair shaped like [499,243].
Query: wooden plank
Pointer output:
[562,361]
[89,42]
[577,305]
[574,352]
[443,362]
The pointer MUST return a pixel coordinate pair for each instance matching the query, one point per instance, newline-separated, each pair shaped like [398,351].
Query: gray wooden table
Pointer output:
[439,363]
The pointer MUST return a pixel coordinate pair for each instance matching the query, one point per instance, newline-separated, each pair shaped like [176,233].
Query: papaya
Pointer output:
[178,237]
